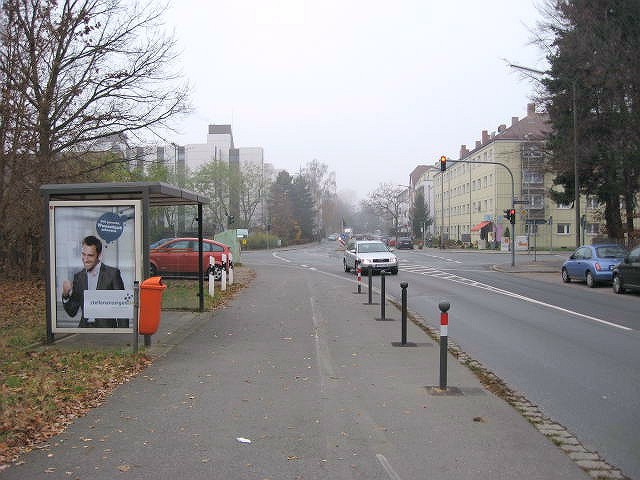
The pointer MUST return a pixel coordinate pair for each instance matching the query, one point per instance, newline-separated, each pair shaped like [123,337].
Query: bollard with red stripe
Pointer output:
[444,324]
[359,272]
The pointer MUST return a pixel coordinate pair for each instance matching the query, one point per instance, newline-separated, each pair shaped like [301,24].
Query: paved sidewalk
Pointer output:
[295,379]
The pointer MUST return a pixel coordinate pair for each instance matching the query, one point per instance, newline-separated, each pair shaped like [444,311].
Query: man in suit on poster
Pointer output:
[94,276]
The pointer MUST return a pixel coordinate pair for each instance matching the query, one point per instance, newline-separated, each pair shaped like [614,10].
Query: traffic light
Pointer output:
[510,214]
[231,219]
[443,163]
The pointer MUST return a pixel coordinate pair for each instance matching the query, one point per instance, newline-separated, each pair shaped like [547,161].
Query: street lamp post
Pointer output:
[442,211]
[576,178]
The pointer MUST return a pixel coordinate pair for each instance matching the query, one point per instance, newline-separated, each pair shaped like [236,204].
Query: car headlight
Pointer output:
[365,261]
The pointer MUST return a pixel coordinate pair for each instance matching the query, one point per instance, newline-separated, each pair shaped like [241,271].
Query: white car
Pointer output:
[371,255]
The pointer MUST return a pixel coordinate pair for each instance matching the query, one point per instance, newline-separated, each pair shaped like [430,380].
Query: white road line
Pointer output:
[387,467]
[444,258]
[275,254]
[483,286]
[472,283]
[323,356]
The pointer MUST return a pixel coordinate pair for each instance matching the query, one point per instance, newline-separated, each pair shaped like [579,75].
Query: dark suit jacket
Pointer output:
[109,278]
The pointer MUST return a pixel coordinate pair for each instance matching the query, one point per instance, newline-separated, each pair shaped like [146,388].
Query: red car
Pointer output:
[180,256]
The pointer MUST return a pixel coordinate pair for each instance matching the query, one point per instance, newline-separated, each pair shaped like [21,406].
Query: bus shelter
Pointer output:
[109,221]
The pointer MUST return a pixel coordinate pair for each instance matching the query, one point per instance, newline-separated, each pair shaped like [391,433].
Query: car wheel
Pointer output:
[346,268]
[591,282]
[617,284]
[565,276]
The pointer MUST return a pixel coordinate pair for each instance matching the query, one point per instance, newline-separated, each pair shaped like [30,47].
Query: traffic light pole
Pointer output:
[513,200]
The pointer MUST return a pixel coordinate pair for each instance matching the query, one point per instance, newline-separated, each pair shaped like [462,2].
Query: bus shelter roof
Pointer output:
[158,193]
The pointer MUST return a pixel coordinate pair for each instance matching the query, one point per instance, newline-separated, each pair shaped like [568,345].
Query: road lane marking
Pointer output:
[387,467]
[473,283]
[275,254]
[428,271]
[323,355]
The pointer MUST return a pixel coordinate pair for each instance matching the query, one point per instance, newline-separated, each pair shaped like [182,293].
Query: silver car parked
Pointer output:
[371,255]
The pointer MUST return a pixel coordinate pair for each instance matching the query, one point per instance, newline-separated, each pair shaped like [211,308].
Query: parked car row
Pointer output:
[611,263]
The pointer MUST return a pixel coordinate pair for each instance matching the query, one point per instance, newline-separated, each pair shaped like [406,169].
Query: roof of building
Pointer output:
[534,127]
[417,172]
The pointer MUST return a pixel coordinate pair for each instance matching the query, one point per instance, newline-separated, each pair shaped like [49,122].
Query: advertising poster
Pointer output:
[94,250]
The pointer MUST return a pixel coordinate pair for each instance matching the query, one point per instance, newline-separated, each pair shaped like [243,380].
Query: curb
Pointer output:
[587,460]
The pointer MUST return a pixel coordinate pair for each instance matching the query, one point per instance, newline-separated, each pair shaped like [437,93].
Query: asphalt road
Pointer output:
[295,379]
[572,350]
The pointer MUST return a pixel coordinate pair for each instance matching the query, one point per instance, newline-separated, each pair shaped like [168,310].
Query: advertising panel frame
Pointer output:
[118,226]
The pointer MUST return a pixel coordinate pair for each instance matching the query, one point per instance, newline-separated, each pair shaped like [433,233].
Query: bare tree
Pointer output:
[212,180]
[387,201]
[78,71]
[322,186]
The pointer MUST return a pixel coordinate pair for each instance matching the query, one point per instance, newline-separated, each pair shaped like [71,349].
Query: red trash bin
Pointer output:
[151,291]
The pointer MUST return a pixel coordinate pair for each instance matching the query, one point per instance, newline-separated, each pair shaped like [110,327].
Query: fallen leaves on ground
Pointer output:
[42,390]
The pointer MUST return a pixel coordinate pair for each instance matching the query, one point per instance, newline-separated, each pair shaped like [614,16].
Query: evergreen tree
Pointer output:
[420,219]
[303,209]
[594,66]
[283,224]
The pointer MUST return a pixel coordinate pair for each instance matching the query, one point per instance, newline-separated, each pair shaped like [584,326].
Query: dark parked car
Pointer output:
[180,256]
[404,243]
[592,263]
[626,275]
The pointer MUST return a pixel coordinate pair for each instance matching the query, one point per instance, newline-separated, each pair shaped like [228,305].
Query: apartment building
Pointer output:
[470,197]
[421,181]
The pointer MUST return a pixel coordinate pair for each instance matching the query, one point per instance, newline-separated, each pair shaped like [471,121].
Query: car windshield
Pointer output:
[611,251]
[372,247]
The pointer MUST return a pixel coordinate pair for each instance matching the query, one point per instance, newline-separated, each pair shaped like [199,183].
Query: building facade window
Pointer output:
[563,228]
[592,228]
[563,206]
[530,176]
[592,203]
[536,201]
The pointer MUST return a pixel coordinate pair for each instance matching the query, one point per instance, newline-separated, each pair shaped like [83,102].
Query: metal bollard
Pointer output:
[359,272]
[382,294]
[444,323]
[404,343]
[403,286]
[370,273]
